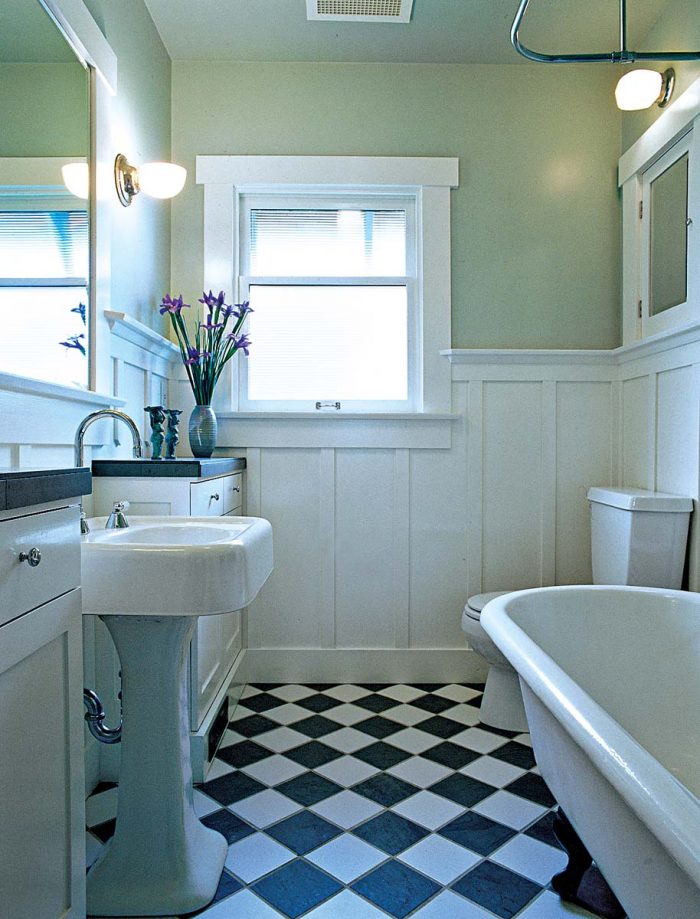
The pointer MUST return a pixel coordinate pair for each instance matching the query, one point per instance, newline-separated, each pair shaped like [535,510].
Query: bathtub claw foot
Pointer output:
[567,882]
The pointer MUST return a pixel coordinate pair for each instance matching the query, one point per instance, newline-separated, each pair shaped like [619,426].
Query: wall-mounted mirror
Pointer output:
[44,232]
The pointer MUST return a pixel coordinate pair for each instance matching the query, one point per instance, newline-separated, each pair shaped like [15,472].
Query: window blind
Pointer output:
[43,244]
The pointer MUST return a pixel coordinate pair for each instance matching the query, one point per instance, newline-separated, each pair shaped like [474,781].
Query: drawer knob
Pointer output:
[32,558]
[214,497]
[236,487]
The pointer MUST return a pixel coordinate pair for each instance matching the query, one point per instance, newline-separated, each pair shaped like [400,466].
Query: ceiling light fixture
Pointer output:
[359,10]
[159,180]
[632,100]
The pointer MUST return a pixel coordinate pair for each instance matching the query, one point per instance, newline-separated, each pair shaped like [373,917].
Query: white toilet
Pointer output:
[637,537]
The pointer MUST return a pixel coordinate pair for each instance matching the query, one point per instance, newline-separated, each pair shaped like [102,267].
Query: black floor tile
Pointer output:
[385,789]
[390,832]
[265,687]
[434,704]
[534,788]
[497,889]
[379,727]
[103,786]
[104,831]
[229,825]
[242,754]
[373,687]
[303,832]
[462,789]
[543,831]
[376,703]
[253,725]
[381,755]
[262,702]
[427,687]
[319,703]
[477,833]
[396,888]
[315,726]
[296,888]
[441,727]
[308,788]
[313,754]
[516,754]
[321,687]
[451,755]
[228,789]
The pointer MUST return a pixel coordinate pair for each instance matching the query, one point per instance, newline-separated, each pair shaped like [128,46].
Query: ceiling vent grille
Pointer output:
[359,10]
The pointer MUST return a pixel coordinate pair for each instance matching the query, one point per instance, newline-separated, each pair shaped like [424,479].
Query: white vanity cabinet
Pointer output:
[217,639]
[42,786]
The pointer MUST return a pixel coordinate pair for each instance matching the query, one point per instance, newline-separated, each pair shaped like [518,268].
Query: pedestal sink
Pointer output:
[149,583]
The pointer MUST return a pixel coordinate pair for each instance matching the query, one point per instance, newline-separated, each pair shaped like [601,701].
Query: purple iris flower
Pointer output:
[195,356]
[211,300]
[238,310]
[73,341]
[211,325]
[240,342]
[81,309]
[170,305]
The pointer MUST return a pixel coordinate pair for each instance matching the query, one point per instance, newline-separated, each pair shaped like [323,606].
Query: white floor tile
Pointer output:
[549,906]
[347,771]
[255,856]
[287,714]
[203,804]
[347,714]
[464,714]
[440,859]
[347,739]
[457,693]
[217,769]
[428,810]
[242,905]
[514,811]
[346,692]
[291,692]
[345,905]
[413,740]
[101,807]
[419,771]
[346,809]
[265,807]
[249,691]
[524,739]
[479,740]
[407,714]
[493,771]
[532,858]
[448,905]
[231,737]
[346,857]
[401,692]
[274,769]
[241,711]
[93,847]
[281,739]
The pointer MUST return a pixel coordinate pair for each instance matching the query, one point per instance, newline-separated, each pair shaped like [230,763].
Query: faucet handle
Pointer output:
[84,525]
[117,520]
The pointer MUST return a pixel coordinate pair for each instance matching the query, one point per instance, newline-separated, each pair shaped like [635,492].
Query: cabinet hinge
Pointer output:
[641,209]
[639,309]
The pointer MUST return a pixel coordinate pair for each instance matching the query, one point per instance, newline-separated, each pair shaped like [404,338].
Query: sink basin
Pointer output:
[175,566]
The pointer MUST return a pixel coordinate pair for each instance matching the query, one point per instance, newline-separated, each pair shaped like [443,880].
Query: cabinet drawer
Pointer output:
[207,498]
[233,494]
[56,534]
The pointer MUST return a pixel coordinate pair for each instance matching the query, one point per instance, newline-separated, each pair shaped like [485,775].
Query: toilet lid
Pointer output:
[476,603]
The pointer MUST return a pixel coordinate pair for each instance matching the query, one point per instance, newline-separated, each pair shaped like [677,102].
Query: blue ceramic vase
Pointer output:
[202,431]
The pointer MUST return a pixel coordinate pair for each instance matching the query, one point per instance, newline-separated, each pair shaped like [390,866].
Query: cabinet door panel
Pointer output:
[207,498]
[233,494]
[42,813]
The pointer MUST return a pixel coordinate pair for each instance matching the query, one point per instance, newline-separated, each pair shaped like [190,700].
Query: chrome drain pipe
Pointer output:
[95,716]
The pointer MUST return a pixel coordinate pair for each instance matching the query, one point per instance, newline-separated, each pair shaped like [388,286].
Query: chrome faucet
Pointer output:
[98,416]
[117,519]
[80,438]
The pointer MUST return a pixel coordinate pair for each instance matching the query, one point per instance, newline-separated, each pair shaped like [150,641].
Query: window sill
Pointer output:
[12,382]
[409,430]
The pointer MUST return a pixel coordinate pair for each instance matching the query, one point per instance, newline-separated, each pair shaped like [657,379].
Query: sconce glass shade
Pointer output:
[162,180]
[76,178]
[640,89]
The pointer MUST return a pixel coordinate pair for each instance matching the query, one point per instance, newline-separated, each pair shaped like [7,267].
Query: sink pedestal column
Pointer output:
[161,860]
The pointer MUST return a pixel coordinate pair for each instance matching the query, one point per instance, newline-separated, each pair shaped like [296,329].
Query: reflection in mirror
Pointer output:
[44,238]
[669,238]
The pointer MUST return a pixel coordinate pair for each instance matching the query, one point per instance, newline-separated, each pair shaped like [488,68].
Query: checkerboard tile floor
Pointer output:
[372,800]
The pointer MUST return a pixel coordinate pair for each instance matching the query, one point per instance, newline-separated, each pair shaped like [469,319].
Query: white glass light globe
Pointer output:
[638,89]
[162,180]
[76,178]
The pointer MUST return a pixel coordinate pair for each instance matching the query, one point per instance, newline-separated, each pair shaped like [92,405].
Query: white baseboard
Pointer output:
[362,665]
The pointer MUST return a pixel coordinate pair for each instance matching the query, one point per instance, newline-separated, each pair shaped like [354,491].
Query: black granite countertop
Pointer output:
[25,487]
[188,467]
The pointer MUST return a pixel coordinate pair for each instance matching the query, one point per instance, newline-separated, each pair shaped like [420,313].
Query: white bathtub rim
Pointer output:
[660,800]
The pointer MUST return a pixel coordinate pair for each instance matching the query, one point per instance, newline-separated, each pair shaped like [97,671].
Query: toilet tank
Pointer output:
[638,537]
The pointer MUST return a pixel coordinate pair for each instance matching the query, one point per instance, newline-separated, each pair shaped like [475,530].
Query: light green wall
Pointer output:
[536,219]
[43,110]
[141,130]
[678,29]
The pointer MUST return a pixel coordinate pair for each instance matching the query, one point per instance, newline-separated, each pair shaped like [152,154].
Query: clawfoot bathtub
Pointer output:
[611,684]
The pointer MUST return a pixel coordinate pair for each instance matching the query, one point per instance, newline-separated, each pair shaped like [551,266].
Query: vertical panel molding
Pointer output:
[401,546]
[475,484]
[326,522]
[549,483]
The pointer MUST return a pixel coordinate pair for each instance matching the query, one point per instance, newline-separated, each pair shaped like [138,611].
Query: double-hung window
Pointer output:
[331,279]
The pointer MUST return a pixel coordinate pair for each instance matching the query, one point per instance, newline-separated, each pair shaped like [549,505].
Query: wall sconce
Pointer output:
[159,180]
[640,89]
[76,178]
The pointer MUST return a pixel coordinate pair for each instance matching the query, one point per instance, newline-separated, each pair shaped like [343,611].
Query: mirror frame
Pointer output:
[680,119]
[92,49]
